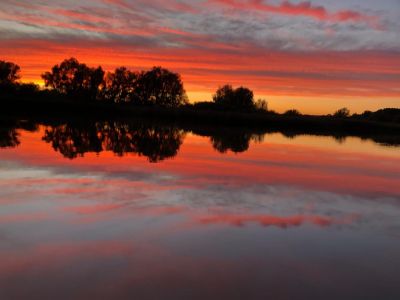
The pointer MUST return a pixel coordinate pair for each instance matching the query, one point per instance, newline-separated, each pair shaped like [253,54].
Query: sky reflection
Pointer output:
[300,218]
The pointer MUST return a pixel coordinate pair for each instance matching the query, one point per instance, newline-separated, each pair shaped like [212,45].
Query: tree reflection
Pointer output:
[228,139]
[9,136]
[234,142]
[72,141]
[155,142]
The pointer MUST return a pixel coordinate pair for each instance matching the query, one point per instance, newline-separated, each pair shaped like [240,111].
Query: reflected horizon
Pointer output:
[155,141]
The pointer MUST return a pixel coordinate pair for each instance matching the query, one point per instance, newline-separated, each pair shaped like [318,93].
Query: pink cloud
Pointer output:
[276,221]
[305,8]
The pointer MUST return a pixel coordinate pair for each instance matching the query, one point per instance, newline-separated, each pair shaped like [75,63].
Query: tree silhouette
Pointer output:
[292,113]
[240,98]
[162,87]
[261,104]
[342,113]
[119,87]
[75,79]
[9,72]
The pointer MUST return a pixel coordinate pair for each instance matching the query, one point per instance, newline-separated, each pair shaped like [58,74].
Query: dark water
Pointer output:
[107,211]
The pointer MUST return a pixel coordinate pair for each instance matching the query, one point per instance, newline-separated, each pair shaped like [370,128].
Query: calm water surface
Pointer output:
[167,214]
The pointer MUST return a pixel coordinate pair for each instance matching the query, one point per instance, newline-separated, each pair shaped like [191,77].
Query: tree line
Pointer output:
[158,86]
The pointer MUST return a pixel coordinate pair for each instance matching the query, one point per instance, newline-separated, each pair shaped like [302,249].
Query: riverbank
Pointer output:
[202,121]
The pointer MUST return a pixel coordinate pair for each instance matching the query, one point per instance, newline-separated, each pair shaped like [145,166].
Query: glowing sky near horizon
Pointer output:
[315,56]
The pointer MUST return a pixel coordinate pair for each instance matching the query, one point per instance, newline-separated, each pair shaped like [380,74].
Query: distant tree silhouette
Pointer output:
[292,112]
[9,73]
[28,89]
[240,98]
[75,79]
[161,87]
[391,115]
[119,87]
[261,104]
[342,113]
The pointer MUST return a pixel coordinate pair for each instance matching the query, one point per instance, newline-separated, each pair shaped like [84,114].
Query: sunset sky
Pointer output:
[315,56]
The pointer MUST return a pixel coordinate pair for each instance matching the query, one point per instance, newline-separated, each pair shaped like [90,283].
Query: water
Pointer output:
[111,212]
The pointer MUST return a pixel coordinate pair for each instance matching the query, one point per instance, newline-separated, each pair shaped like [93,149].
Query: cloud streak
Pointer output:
[303,9]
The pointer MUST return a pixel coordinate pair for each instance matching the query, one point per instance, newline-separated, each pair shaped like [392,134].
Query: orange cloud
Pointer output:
[268,73]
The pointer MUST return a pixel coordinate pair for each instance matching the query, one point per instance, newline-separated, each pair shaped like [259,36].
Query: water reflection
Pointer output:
[9,136]
[155,142]
[299,218]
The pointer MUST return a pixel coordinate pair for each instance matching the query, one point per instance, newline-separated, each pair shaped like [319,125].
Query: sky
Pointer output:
[315,56]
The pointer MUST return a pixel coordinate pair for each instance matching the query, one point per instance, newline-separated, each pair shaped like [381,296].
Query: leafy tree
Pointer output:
[9,73]
[342,113]
[120,86]
[235,98]
[162,87]
[75,79]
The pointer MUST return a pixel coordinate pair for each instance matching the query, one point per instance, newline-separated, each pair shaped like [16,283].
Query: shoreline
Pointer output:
[203,121]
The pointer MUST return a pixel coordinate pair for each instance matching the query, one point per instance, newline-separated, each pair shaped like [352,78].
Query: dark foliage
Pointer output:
[240,98]
[161,87]
[292,112]
[9,73]
[120,86]
[342,113]
[74,79]
[390,115]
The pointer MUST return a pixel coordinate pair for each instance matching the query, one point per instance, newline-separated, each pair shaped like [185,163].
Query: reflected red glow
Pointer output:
[276,221]
[308,167]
